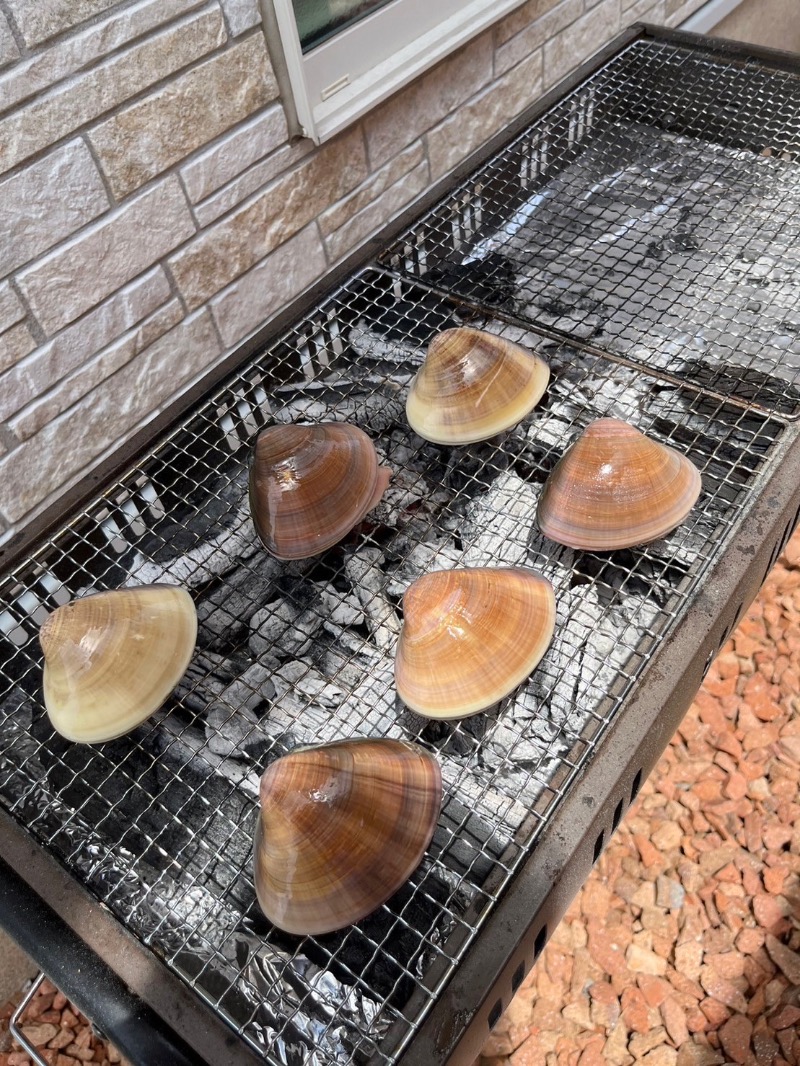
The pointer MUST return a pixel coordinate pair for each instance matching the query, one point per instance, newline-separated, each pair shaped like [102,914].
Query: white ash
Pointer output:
[408,492]
[228,729]
[311,709]
[283,628]
[305,678]
[225,610]
[374,346]
[586,655]
[183,744]
[340,609]
[374,405]
[497,523]
[423,559]
[230,718]
[211,558]
[365,572]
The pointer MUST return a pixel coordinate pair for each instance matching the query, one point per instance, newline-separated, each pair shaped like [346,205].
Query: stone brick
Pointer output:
[77,343]
[235,152]
[37,21]
[14,344]
[232,246]
[77,51]
[257,295]
[146,138]
[537,32]
[57,113]
[520,19]
[644,11]
[241,15]
[11,310]
[424,103]
[254,179]
[48,201]
[571,46]
[8,46]
[59,455]
[476,121]
[87,377]
[371,218]
[370,190]
[678,10]
[91,266]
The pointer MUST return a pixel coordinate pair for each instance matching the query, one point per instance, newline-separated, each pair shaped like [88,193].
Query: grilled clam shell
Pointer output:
[472,386]
[311,484]
[342,827]
[112,658]
[616,488]
[470,636]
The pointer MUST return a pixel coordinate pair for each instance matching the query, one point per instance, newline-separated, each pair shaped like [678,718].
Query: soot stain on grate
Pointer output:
[647,213]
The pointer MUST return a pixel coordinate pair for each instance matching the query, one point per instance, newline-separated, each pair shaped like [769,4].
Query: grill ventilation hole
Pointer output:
[636,785]
[598,845]
[539,943]
[495,1013]
[517,979]
[617,816]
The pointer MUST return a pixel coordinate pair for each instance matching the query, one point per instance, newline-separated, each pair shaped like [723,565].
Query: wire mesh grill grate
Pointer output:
[159,823]
[654,212]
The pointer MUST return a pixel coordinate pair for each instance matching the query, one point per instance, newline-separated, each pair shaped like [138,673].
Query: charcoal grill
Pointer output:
[637,228]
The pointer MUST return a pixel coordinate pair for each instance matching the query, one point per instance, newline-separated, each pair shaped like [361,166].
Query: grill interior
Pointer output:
[654,212]
[158,825]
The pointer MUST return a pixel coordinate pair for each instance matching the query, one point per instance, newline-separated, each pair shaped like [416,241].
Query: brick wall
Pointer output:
[153,211]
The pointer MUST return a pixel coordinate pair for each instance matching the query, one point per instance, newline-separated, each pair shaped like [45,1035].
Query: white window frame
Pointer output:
[337,82]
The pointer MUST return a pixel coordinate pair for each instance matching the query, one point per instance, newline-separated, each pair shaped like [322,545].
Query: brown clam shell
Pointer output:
[472,386]
[311,484]
[470,636]
[342,827]
[616,488]
[112,658]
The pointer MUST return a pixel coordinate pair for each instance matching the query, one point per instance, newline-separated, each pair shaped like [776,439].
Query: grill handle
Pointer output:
[128,1022]
[17,1033]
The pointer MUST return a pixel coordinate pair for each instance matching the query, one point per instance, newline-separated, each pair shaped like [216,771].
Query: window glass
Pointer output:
[317,20]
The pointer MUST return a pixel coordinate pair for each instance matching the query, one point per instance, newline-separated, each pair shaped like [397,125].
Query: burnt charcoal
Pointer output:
[491,280]
[183,530]
[414,320]
[746,384]
[223,614]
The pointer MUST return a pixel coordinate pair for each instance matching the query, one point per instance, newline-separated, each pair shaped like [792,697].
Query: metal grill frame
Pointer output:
[536,232]
[518,927]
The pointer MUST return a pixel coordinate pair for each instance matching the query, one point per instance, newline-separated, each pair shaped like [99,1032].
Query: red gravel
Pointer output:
[57,1029]
[683,948]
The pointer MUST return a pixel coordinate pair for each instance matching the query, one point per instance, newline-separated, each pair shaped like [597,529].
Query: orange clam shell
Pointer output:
[311,484]
[616,488]
[473,385]
[470,637]
[342,827]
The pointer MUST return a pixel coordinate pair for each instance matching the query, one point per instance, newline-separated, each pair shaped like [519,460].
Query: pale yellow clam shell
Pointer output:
[113,658]
[472,386]
[470,637]
[342,827]
[616,488]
